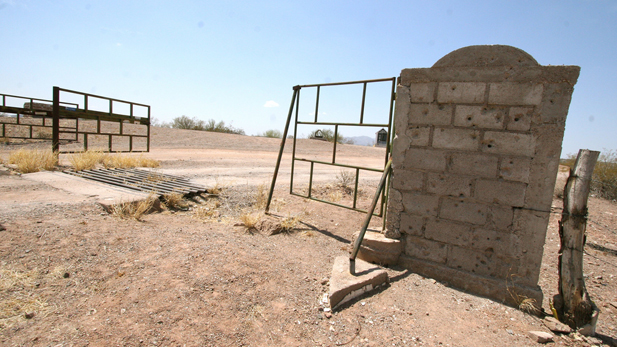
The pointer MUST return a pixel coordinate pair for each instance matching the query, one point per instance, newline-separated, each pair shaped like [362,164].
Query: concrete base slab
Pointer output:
[378,249]
[345,286]
[82,189]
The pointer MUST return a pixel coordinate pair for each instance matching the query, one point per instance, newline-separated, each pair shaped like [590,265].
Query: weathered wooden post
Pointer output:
[573,304]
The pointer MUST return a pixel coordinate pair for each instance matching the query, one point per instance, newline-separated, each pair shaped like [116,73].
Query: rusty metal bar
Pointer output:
[367,219]
[344,83]
[363,100]
[341,165]
[344,124]
[335,142]
[280,156]
[293,151]
[310,187]
[55,137]
[355,189]
[317,104]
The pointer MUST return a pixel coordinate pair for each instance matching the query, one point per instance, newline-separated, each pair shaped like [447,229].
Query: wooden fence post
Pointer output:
[573,304]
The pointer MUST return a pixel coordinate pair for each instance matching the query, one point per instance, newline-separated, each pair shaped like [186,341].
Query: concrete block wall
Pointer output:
[475,156]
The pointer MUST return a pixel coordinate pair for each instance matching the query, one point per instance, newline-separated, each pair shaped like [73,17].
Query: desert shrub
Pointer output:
[289,223]
[132,209]
[250,220]
[345,179]
[604,179]
[327,134]
[273,133]
[184,122]
[175,201]
[86,160]
[33,160]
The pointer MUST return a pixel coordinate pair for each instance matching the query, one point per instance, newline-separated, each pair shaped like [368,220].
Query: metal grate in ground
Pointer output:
[142,180]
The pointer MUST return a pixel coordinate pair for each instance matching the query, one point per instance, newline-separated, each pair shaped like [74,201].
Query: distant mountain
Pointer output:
[362,140]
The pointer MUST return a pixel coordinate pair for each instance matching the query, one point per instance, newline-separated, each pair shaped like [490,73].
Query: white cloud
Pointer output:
[271,103]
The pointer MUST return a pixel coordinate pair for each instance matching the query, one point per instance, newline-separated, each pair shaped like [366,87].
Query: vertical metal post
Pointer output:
[317,104]
[367,219]
[109,145]
[310,187]
[85,142]
[55,133]
[280,156]
[148,138]
[355,189]
[130,143]
[363,100]
[293,149]
[335,141]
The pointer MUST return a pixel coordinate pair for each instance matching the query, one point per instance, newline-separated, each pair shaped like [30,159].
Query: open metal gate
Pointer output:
[293,113]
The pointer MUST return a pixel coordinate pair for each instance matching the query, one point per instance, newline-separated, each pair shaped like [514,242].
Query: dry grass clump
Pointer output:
[134,209]
[208,211]
[17,302]
[32,160]
[250,220]
[345,180]
[88,160]
[175,201]
[261,197]
[289,223]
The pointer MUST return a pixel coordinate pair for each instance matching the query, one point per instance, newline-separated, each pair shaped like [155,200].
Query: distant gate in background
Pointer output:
[65,111]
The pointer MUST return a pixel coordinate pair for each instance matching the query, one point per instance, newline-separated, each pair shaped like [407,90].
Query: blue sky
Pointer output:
[228,60]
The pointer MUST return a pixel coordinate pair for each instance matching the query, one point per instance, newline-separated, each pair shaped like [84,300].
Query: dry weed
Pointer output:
[209,211]
[33,160]
[335,196]
[147,162]
[261,197]
[345,179]
[133,209]
[217,188]
[175,201]
[86,160]
[289,223]
[524,303]
[250,220]
[17,302]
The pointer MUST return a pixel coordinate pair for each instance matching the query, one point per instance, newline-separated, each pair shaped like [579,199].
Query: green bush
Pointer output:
[327,134]
[273,133]
[184,122]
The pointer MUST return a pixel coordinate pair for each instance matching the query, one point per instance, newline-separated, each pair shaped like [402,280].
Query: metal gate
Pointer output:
[88,113]
[293,112]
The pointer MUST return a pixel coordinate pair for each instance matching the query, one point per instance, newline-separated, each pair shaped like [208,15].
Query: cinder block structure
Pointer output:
[475,158]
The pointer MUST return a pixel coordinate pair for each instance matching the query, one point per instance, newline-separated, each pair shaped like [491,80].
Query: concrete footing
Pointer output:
[378,249]
[345,286]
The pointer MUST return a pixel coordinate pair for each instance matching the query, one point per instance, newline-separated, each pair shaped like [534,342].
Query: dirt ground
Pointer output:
[73,275]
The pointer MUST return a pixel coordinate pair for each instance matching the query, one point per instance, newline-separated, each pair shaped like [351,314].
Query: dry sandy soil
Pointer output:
[73,275]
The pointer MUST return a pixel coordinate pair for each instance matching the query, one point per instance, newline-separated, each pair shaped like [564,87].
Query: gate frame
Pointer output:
[59,112]
[295,102]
